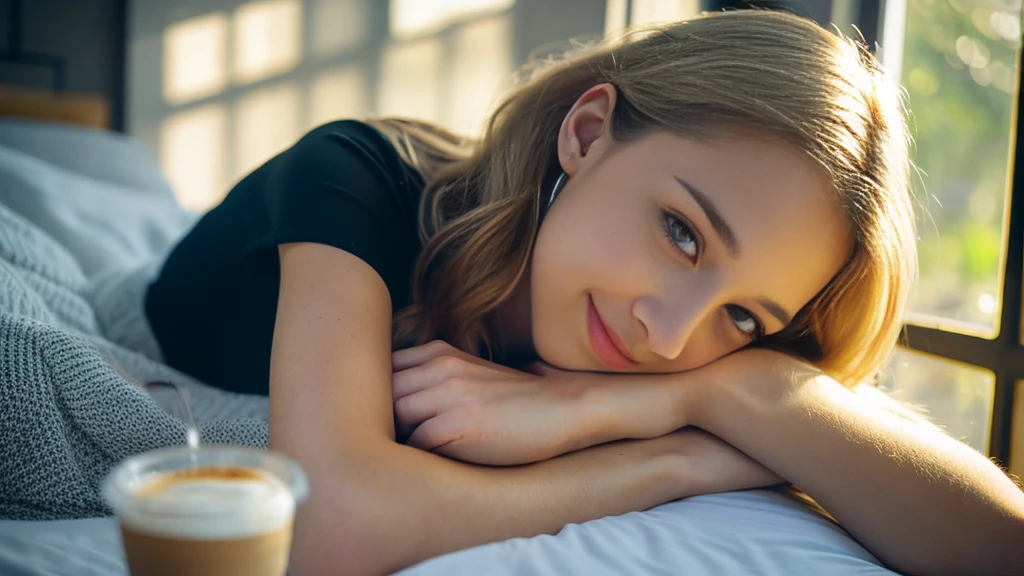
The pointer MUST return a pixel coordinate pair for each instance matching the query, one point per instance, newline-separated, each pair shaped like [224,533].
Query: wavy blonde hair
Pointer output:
[741,72]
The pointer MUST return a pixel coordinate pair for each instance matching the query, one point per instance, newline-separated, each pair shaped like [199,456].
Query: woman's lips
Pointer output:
[603,340]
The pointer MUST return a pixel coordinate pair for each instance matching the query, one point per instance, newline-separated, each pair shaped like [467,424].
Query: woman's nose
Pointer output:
[671,322]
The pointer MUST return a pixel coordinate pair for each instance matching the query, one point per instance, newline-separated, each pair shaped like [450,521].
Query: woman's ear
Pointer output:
[586,129]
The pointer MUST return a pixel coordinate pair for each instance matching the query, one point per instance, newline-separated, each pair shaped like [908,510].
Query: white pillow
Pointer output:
[99,154]
[86,547]
[753,532]
[104,225]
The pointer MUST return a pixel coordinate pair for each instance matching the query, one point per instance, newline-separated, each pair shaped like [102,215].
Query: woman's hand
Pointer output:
[467,408]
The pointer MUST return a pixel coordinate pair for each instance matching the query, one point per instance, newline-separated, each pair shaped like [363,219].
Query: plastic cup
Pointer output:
[224,511]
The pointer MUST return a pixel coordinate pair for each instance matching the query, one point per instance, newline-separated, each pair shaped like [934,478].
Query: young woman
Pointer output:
[656,275]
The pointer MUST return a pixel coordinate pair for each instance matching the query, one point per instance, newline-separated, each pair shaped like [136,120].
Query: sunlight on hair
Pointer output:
[410,80]
[659,11]
[480,67]
[267,39]
[337,93]
[959,396]
[192,145]
[417,17]
[195,52]
[337,26]
[266,122]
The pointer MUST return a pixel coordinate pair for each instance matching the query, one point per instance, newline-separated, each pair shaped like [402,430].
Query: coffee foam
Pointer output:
[209,504]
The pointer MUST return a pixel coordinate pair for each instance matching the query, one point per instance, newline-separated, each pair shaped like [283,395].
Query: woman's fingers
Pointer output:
[409,382]
[415,409]
[419,355]
[432,434]
[411,357]
[428,375]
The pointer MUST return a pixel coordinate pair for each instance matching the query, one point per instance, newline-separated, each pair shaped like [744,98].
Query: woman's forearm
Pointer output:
[919,500]
[376,506]
[384,506]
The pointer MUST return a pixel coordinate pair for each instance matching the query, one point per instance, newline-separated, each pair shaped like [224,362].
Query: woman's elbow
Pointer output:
[353,526]
[345,547]
[326,561]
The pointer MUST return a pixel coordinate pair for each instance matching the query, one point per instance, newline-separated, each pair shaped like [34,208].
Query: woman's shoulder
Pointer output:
[349,135]
[351,146]
[347,129]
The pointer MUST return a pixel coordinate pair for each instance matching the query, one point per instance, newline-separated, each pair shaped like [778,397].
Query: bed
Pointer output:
[85,217]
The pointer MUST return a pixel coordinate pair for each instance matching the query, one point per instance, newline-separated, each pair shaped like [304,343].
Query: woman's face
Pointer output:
[667,253]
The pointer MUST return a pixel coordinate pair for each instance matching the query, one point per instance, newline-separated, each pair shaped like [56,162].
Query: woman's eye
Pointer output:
[746,322]
[682,235]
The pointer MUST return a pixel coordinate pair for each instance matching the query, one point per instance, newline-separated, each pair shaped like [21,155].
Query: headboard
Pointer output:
[38,104]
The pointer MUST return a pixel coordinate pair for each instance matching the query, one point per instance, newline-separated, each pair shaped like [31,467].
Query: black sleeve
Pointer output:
[342,185]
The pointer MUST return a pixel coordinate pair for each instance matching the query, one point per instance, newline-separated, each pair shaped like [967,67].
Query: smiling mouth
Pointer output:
[606,344]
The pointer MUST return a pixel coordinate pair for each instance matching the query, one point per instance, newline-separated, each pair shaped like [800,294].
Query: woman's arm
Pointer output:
[921,501]
[376,506]
[918,499]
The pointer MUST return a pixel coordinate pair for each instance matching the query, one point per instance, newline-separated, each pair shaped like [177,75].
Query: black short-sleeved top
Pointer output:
[213,306]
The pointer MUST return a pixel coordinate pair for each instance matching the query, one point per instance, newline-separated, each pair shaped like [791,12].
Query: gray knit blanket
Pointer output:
[73,352]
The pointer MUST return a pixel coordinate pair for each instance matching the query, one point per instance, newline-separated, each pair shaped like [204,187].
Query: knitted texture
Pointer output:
[67,416]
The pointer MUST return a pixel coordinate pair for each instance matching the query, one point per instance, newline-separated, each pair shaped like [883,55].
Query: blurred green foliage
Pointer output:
[959,70]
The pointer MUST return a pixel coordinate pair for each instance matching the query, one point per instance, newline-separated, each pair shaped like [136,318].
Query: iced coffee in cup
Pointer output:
[206,511]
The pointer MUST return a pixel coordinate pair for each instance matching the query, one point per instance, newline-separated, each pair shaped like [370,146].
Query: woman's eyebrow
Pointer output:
[725,233]
[775,310]
[718,223]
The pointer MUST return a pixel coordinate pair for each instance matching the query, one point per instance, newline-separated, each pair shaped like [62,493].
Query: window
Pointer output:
[415,18]
[959,63]
[194,58]
[960,72]
[955,396]
[192,156]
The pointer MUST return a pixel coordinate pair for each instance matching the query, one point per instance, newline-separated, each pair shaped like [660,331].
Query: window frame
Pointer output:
[1004,354]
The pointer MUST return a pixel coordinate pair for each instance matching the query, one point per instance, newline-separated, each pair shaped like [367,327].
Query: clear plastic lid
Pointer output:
[211,492]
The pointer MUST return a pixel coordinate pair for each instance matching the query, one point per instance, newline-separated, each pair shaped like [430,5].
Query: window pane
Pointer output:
[409,80]
[194,58]
[266,122]
[615,15]
[415,17]
[267,39]
[192,155]
[959,69]
[479,65]
[337,93]
[958,397]
[658,11]
[337,26]
[1017,435]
